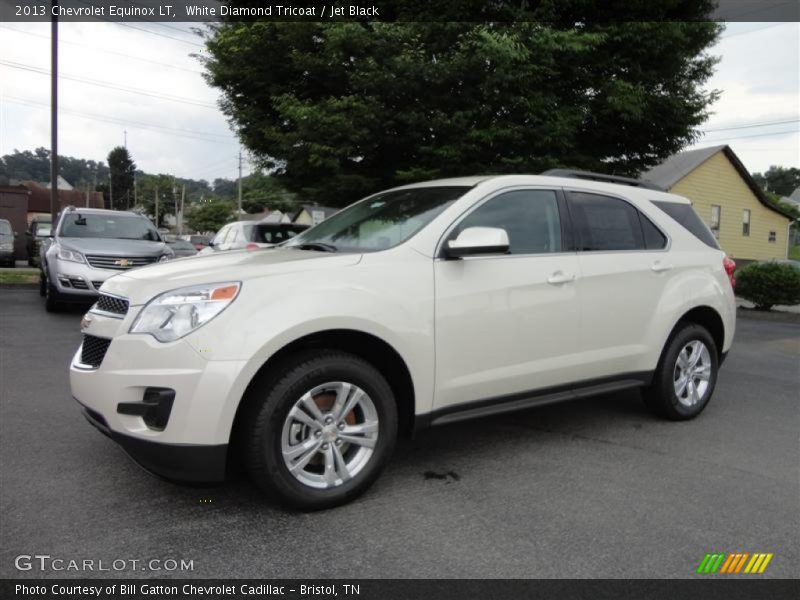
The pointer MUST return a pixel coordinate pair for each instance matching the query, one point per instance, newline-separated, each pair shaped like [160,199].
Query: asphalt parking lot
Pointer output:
[596,488]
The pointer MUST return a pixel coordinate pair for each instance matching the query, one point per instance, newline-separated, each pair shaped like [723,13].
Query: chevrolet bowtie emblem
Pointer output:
[122,262]
[85,321]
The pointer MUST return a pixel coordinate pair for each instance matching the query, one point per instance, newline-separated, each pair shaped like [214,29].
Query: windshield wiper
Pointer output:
[318,246]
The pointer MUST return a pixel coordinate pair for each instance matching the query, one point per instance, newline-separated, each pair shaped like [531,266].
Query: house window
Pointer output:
[716,216]
[772,237]
[746,223]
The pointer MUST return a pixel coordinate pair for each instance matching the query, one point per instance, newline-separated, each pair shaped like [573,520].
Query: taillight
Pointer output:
[252,246]
[730,267]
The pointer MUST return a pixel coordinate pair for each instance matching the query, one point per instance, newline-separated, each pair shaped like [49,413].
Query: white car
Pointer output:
[251,235]
[417,306]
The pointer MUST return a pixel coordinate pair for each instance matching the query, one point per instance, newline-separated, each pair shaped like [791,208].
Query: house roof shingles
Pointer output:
[678,166]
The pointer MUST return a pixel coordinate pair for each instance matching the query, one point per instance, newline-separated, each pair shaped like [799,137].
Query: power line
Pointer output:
[104,50]
[749,136]
[189,133]
[750,125]
[104,84]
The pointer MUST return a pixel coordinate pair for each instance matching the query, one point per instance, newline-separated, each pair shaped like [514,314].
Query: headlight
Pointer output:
[71,255]
[174,314]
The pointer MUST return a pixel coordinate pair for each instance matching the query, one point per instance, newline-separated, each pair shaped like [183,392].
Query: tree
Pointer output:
[342,109]
[261,191]
[779,180]
[122,170]
[147,186]
[211,215]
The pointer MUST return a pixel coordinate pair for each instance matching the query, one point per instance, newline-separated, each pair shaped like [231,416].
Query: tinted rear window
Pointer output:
[685,215]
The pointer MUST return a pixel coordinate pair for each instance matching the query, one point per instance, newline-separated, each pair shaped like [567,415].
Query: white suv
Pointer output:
[417,306]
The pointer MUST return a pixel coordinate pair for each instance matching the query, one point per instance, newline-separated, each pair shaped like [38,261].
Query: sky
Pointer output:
[146,80]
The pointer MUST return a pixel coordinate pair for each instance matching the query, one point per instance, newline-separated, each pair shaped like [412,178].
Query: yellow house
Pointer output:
[725,196]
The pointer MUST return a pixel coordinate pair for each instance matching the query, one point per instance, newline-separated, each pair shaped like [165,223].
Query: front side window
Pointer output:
[5,228]
[716,218]
[529,217]
[603,223]
[113,226]
[275,234]
[746,223]
[379,222]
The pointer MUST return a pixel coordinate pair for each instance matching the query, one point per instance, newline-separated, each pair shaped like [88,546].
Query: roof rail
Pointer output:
[602,177]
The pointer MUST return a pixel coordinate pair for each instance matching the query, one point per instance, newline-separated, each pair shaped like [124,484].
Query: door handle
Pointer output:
[659,267]
[560,277]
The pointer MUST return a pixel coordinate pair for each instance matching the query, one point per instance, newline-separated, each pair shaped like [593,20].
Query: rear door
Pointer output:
[508,324]
[624,268]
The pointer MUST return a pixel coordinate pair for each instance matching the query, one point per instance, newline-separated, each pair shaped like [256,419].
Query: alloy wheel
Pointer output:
[692,373]
[329,435]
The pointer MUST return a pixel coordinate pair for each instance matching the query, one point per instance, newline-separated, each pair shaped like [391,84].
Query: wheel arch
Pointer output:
[708,318]
[371,348]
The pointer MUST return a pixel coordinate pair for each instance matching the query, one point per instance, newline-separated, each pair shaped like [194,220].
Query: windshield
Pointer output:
[115,226]
[381,221]
[5,228]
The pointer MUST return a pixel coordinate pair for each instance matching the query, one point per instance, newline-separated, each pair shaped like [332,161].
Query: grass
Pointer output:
[794,252]
[14,276]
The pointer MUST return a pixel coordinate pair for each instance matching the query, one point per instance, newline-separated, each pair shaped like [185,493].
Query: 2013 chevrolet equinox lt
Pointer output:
[421,305]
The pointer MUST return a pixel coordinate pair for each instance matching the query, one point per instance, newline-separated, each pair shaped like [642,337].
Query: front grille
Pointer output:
[112,304]
[94,350]
[119,263]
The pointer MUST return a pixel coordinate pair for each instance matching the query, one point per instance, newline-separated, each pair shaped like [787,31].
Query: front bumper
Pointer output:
[188,442]
[77,280]
[183,463]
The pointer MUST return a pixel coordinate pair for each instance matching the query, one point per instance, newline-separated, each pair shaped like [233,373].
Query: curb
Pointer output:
[19,286]
[763,315]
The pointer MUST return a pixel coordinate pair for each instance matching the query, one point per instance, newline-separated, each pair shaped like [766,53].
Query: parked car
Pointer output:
[38,231]
[199,241]
[252,234]
[418,306]
[181,248]
[7,235]
[91,245]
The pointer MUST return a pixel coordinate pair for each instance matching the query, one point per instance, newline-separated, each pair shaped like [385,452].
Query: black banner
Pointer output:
[384,10]
[397,589]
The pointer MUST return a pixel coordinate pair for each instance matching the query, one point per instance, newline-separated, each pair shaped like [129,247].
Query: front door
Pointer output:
[508,324]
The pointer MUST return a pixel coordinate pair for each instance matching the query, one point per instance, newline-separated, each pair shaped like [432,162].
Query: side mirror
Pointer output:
[478,240]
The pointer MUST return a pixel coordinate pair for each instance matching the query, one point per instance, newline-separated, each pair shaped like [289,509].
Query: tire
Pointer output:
[42,284]
[681,391]
[51,303]
[272,427]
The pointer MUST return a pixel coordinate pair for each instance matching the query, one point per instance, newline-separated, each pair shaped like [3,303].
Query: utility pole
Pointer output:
[110,191]
[239,214]
[125,134]
[54,205]
[156,208]
[135,199]
[180,222]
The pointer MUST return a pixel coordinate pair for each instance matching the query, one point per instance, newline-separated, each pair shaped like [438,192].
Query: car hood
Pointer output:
[114,247]
[236,265]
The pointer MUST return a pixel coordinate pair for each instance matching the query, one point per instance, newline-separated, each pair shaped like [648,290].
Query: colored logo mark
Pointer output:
[739,562]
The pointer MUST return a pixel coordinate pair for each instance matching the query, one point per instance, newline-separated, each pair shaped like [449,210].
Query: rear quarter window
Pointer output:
[684,214]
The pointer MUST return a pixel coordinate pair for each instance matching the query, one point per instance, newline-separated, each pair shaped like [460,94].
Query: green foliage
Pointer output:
[781,181]
[210,215]
[148,186]
[769,284]
[261,191]
[35,166]
[122,170]
[342,109]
